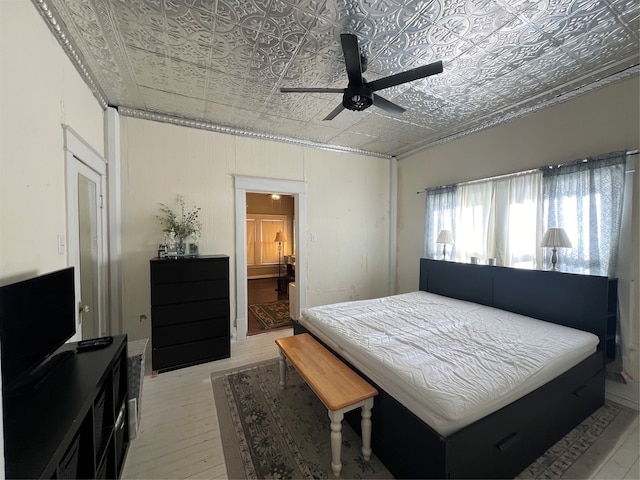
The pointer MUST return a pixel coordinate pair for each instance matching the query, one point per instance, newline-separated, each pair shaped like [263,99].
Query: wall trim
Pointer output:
[204,125]
[393,225]
[114,217]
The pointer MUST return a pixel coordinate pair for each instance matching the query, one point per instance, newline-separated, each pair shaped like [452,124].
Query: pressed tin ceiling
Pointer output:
[220,64]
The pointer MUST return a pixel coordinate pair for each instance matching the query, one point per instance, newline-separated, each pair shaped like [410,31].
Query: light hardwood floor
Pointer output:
[179,436]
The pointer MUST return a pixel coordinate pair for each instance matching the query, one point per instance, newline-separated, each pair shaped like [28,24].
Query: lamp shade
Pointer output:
[445,236]
[280,237]
[555,237]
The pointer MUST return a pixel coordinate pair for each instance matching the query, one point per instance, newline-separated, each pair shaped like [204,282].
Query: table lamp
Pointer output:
[280,239]
[555,238]
[445,237]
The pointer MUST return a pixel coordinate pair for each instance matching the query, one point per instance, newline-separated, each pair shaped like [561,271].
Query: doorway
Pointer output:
[270,261]
[85,189]
[297,189]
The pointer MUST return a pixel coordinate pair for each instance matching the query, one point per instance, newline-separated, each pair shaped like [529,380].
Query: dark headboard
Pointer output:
[584,302]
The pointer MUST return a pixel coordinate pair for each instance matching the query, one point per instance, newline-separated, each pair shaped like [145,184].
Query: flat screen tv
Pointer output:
[37,316]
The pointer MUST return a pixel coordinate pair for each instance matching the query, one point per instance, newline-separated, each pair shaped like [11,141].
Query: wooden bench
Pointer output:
[338,387]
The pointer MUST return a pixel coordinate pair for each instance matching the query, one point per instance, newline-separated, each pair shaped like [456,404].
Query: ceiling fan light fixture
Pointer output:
[357,98]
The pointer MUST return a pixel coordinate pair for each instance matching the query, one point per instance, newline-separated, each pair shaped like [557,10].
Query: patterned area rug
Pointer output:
[271,315]
[270,433]
[579,453]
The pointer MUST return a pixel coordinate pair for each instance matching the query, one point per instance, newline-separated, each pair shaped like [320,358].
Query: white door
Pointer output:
[85,231]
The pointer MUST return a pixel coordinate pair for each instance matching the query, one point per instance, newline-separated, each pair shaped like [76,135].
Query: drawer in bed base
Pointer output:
[504,443]
[498,446]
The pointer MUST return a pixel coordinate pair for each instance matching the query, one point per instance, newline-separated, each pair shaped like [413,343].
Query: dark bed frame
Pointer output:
[504,443]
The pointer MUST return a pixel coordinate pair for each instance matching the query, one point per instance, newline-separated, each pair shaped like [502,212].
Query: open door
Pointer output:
[297,189]
[270,244]
[86,179]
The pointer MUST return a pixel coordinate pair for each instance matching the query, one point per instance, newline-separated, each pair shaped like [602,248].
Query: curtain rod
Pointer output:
[489,179]
[470,182]
[500,177]
[630,153]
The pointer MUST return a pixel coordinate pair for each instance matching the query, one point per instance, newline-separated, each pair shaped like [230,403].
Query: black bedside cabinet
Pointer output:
[190,321]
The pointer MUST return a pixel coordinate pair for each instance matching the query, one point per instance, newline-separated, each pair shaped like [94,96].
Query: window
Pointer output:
[506,217]
[489,218]
[441,213]
[517,226]
[473,217]
[585,198]
[261,232]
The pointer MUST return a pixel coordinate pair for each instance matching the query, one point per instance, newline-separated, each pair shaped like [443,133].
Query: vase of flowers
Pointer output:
[181,225]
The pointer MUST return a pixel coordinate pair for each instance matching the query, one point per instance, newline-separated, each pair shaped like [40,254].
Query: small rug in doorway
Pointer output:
[270,433]
[271,315]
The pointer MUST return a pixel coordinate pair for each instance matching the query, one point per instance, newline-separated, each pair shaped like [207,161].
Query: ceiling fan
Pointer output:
[359,93]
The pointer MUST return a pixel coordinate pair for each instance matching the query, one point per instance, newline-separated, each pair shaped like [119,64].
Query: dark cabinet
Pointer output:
[74,422]
[190,321]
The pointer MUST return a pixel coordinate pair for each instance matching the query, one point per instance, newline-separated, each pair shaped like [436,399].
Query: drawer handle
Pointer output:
[580,390]
[507,442]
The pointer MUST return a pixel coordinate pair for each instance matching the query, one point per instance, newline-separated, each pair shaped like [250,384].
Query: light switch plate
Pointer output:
[61,244]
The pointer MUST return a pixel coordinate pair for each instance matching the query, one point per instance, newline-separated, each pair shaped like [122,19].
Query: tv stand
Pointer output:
[75,424]
[33,380]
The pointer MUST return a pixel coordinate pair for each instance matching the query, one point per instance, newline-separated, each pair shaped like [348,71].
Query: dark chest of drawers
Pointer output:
[189,311]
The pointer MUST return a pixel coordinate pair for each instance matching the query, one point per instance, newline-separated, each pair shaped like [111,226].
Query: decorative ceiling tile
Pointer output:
[220,64]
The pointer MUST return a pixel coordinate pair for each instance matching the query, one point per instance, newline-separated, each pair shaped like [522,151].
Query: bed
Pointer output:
[515,413]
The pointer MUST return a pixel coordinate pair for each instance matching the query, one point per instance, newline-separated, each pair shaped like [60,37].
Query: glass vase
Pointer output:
[180,246]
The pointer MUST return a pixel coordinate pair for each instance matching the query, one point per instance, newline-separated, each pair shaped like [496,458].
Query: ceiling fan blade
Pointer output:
[386,105]
[352,58]
[334,112]
[408,76]
[312,90]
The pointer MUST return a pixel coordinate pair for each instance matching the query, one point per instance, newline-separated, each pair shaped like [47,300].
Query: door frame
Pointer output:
[297,189]
[78,155]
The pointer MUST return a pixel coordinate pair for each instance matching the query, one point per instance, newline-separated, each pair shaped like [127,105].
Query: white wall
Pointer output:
[347,208]
[602,121]
[39,91]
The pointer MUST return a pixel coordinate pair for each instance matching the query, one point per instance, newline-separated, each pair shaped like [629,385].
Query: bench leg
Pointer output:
[283,371]
[336,441]
[365,425]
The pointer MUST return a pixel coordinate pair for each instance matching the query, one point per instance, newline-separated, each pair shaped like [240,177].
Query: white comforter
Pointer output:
[449,361]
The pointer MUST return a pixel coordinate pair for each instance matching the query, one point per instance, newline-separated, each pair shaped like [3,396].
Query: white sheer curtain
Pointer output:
[495,218]
[440,215]
[628,299]
[585,198]
[472,225]
[505,217]
[516,223]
